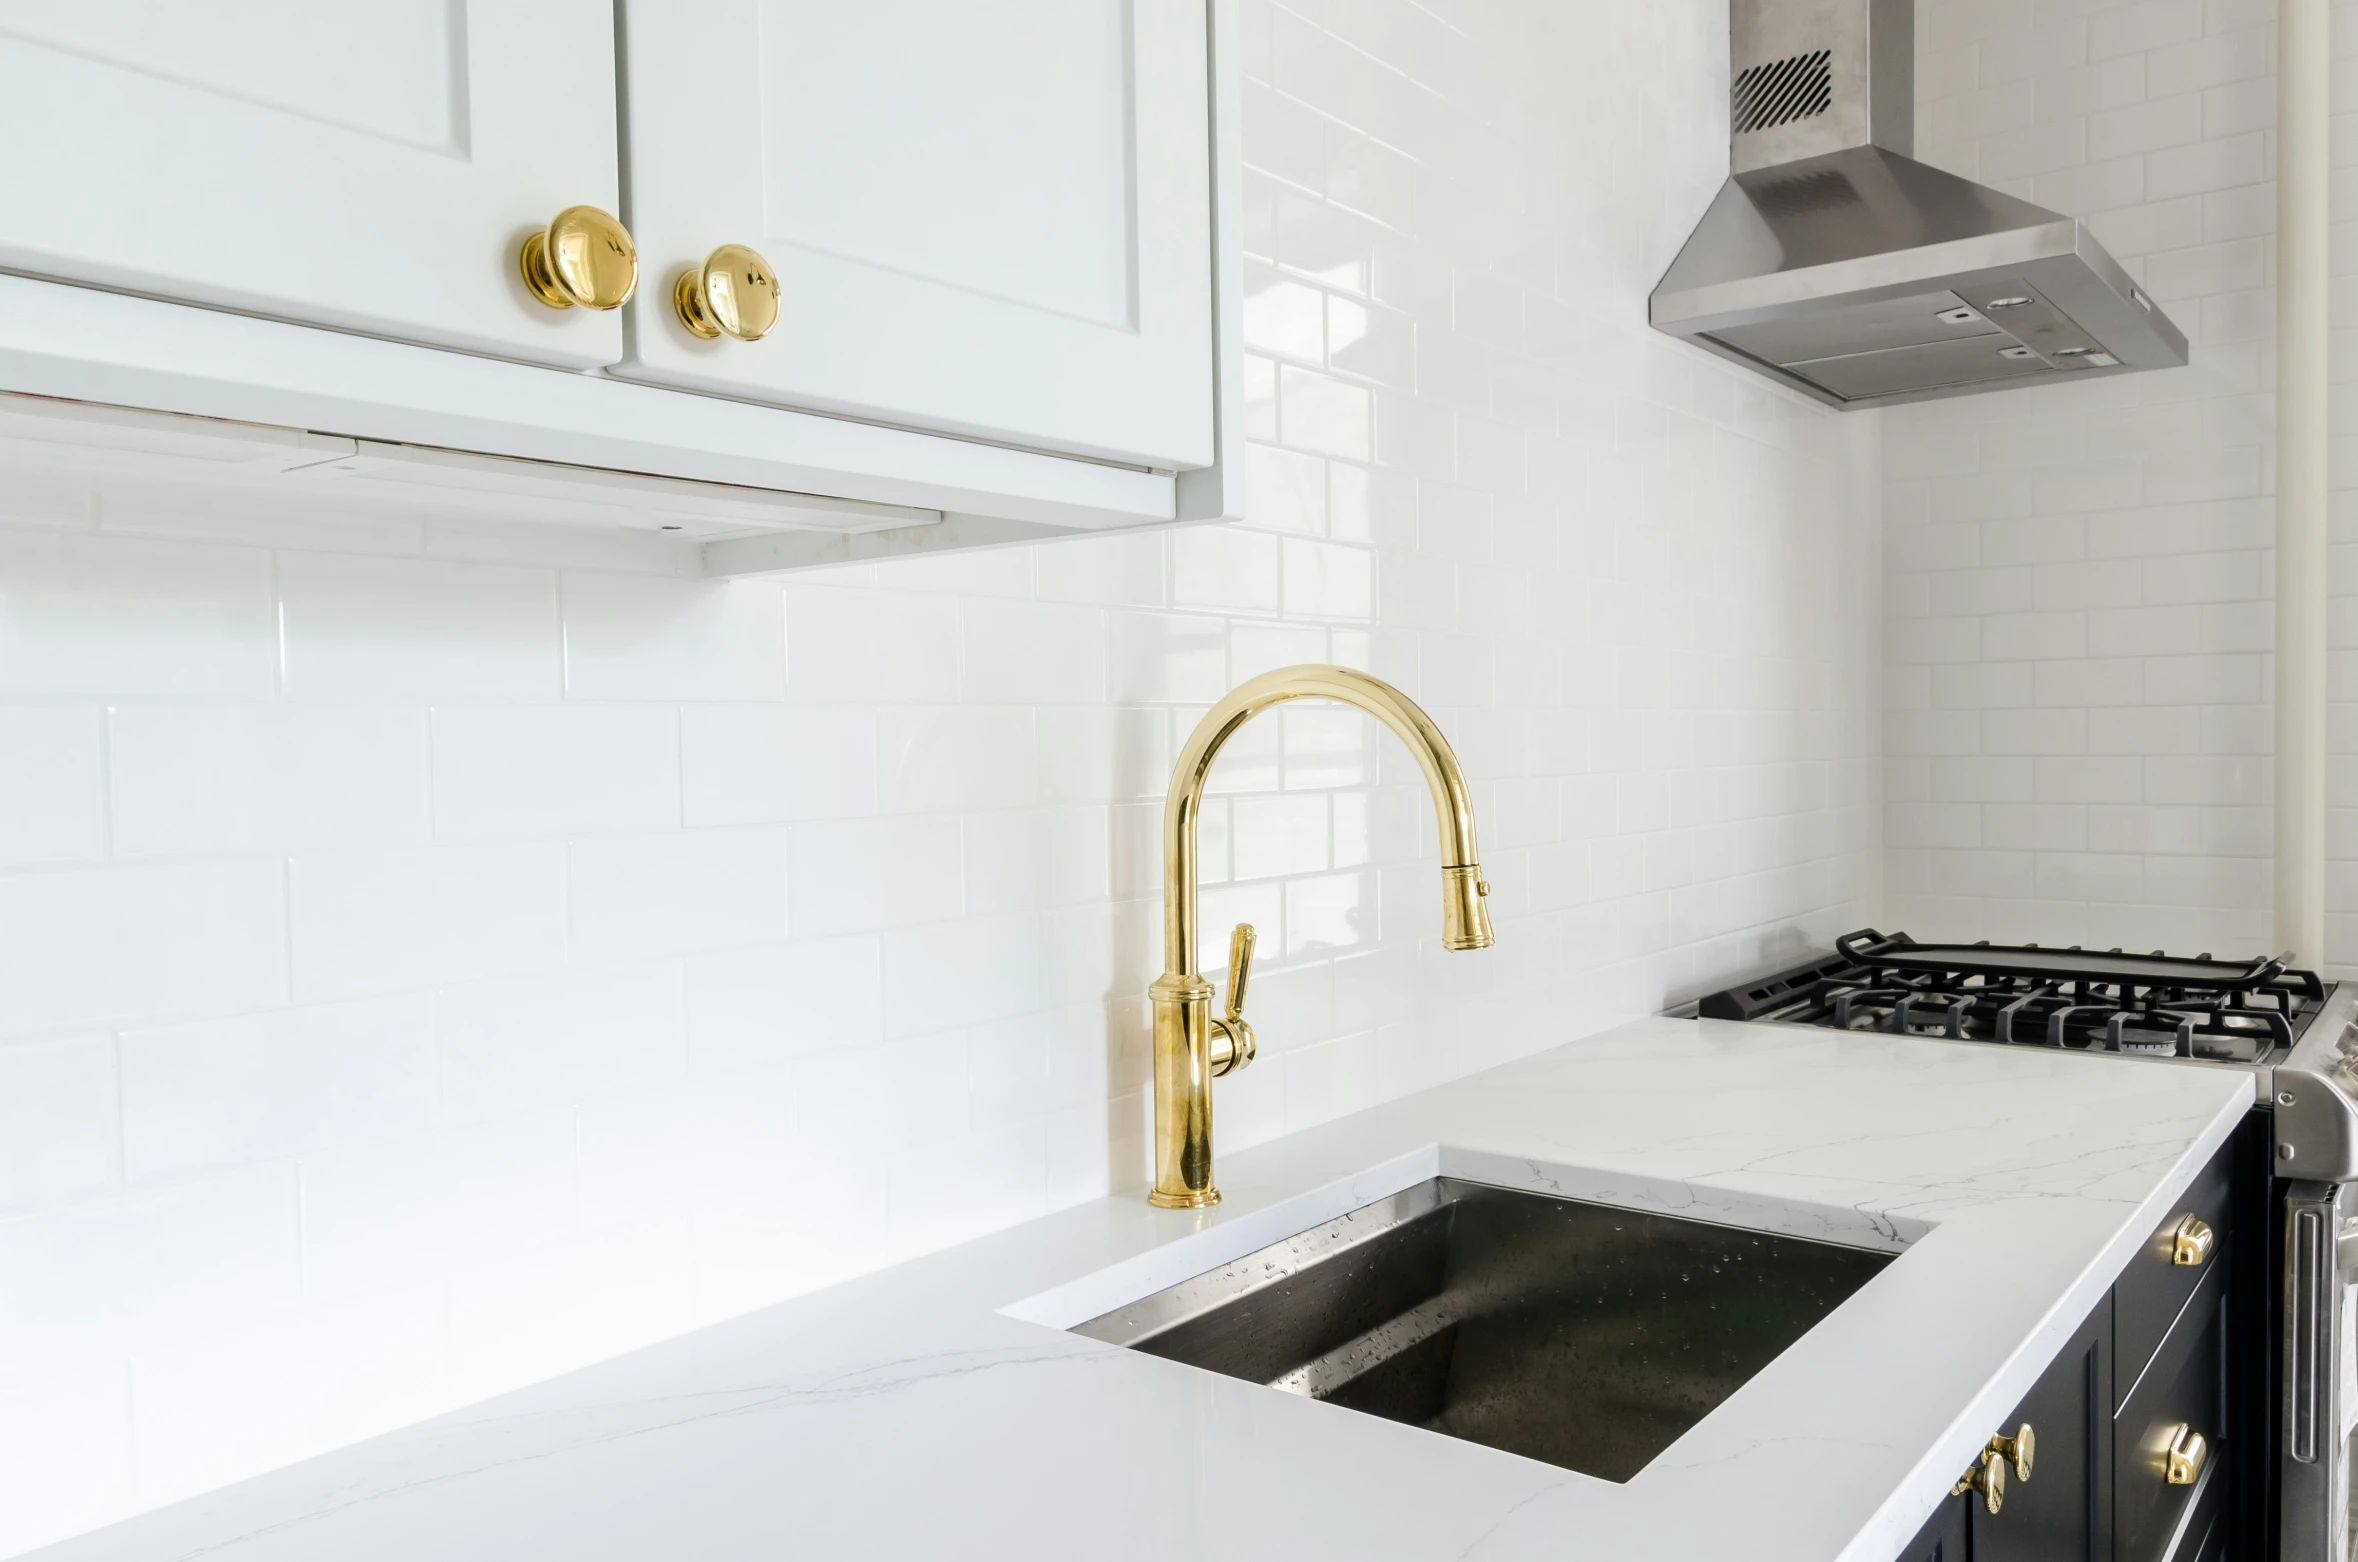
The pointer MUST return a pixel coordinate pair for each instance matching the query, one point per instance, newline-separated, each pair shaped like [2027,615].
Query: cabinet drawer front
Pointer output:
[2206,1537]
[2152,1291]
[2182,1389]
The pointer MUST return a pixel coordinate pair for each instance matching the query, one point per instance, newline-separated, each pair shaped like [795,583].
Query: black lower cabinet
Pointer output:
[2169,1438]
[1942,1539]
[2139,1452]
[2063,1511]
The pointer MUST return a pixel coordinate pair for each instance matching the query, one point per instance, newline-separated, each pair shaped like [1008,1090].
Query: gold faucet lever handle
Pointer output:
[1232,1041]
[1240,968]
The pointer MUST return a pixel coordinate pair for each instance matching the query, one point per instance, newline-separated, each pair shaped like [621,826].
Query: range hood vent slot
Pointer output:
[1835,263]
[1781,92]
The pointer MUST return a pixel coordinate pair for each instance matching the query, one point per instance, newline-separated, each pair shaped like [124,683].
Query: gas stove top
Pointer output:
[2222,1011]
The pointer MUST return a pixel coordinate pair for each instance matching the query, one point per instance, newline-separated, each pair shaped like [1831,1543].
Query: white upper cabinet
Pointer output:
[965,272]
[372,165]
[991,220]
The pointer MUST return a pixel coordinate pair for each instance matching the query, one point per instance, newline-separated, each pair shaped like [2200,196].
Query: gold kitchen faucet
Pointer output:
[1191,1046]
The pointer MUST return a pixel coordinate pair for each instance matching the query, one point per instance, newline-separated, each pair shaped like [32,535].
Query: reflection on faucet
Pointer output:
[1191,1046]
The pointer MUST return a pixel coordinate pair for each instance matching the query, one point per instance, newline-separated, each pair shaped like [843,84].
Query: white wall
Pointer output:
[2080,577]
[433,957]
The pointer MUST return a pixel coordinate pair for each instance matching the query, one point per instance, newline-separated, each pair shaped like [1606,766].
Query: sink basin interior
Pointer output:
[1580,1334]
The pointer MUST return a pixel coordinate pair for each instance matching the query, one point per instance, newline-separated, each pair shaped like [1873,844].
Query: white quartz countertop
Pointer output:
[939,1409]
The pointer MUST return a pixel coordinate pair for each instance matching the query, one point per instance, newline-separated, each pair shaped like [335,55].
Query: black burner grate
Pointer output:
[2091,1000]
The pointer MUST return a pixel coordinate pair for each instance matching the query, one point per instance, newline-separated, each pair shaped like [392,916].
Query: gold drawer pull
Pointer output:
[2190,1242]
[2018,1450]
[2183,1460]
[1988,1477]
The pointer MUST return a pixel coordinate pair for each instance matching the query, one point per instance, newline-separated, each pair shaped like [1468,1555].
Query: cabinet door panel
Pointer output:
[1942,1539]
[2061,1513]
[991,220]
[366,164]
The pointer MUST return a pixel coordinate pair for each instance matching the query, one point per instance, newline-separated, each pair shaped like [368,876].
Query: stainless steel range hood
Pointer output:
[1834,262]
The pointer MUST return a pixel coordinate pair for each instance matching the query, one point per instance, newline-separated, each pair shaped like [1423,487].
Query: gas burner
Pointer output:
[2086,1000]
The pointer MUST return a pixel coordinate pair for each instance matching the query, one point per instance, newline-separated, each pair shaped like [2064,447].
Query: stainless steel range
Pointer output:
[2294,1032]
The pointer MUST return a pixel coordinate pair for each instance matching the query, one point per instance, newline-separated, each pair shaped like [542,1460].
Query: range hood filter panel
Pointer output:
[1934,366]
[1912,321]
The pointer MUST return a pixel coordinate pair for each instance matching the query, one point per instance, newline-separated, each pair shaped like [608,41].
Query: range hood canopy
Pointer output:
[1836,263]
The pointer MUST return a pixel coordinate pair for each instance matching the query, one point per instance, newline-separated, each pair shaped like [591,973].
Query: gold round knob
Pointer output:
[582,257]
[2190,1242]
[1988,1477]
[2019,1450]
[733,293]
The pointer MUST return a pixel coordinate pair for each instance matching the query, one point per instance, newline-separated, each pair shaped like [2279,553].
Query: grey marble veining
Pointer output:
[938,1409]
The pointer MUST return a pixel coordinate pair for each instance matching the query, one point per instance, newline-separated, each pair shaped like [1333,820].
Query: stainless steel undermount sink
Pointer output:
[1583,1335]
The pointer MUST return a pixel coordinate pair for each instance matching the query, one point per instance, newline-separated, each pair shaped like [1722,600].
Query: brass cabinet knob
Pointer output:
[2018,1450]
[2182,1460]
[582,257]
[1233,1042]
[733,293]
[1988,1477]
[2190,1242]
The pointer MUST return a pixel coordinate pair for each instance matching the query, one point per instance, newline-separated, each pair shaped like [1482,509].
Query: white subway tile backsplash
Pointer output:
[759,1007]
[141,943]
[60,1127]
[376,1217]
[275,1086]
[65,1440]
[1280,836]
[120,616]
[1047,857]
[2151,517]
[630,897]
[2208,165]
[960,973]
[646,638]
[1226,570]
[1167,658]
[861,875]
[359,627]
[843,644]
[1328,581]
[504,771]
[1112,571]
[52,788]
[384,921]
[143,1268]
[191,779]
[523,1316]
[940,757]
[511,1048]
[1035,652]
[766,764]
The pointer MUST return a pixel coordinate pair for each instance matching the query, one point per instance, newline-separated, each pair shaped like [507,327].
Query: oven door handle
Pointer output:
[2308,1320]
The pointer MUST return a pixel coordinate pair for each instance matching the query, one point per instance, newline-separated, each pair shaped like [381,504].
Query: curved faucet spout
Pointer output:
[1187,1053]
